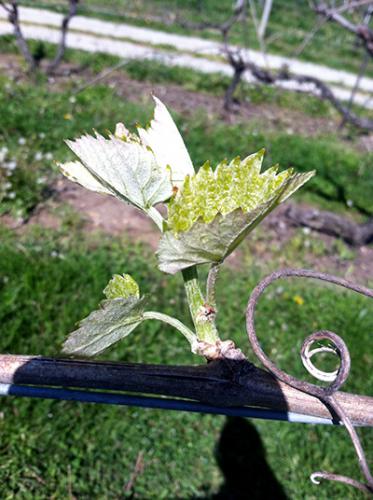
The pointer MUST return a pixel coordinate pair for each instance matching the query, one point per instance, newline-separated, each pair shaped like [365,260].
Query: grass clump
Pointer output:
[25,178]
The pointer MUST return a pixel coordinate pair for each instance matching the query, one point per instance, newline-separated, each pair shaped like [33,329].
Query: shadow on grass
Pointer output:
[239,452]
[241,457]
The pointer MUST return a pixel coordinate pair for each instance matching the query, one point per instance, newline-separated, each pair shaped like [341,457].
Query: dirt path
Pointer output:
[104,213]
[94,35]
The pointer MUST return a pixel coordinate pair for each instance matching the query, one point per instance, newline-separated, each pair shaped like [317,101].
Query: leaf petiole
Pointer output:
[188,334]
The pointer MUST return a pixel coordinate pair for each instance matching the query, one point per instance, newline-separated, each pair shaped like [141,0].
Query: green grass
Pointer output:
[45,119]
[48,281]
[289,24]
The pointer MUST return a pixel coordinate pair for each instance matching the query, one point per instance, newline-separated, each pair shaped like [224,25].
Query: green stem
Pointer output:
[188,334]
[205,327]
[211,284]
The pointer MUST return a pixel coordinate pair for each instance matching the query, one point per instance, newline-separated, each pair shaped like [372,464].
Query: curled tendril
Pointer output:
[316,476]
[335,379]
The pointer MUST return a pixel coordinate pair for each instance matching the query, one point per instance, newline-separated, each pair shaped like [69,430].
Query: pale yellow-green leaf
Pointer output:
[122,287]
[238,184]
[214,211]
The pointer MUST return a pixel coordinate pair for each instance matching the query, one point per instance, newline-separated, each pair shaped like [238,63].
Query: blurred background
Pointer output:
[294,77]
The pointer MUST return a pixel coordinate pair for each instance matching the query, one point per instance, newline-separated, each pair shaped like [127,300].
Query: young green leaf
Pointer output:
[116,319]
[214,211]
[122,287]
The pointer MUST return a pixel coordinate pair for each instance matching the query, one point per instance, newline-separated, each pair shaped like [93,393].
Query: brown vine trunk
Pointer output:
[229,93]
[13,16]
[332,224]
[73,7]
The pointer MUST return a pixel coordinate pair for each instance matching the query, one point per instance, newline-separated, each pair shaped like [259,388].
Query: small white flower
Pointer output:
[41,180]
[349,203]
[7,185]
[21,141]
[38,156]
[48,156]
[306,230]
[3,153]
[42,135]
[11,195]
[11,165]
[72,99]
